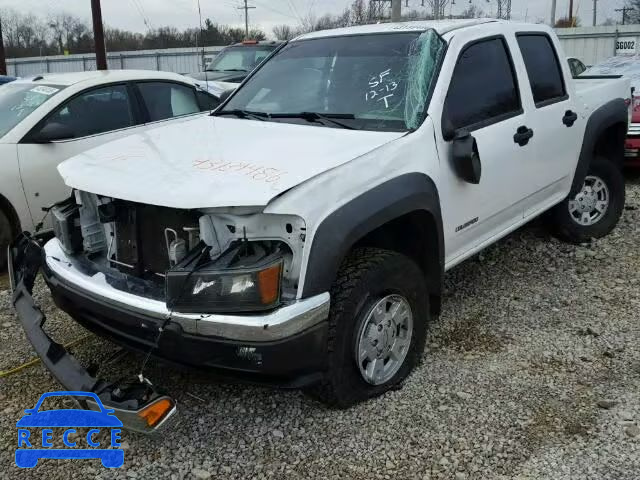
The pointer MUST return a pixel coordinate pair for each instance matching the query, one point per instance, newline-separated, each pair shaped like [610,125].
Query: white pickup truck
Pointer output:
[300,234]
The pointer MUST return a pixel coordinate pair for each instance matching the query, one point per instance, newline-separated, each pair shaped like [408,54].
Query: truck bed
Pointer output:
[592,89]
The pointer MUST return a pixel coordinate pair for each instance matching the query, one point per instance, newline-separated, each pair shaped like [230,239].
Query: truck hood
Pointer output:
[212,162]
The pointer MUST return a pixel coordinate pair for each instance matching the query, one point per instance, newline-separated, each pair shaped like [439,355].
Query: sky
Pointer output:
[138,15]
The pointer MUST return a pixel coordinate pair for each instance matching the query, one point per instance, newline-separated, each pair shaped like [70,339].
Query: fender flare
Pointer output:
[342,229]
[612,112]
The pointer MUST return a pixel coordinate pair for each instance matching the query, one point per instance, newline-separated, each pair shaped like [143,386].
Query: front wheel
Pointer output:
[377,326]
[596,209]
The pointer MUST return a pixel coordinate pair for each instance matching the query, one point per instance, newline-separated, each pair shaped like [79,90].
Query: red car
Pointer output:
[632,146]
[628,66]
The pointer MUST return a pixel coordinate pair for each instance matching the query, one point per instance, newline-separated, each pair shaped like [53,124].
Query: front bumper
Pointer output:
[25,259]
[286,347]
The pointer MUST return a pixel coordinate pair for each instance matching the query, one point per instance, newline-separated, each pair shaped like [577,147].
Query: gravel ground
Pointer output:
[532,372]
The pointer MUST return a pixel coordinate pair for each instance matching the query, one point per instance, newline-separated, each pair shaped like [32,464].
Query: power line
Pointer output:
[293,9]
[275,11]
[138,7]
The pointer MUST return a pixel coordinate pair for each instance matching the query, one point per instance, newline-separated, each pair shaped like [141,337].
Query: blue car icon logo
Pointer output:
[31,449]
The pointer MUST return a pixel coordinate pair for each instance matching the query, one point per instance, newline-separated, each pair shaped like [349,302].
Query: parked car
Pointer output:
[629,67]
[6,79]
[300,235]
[235,62]
[49,118]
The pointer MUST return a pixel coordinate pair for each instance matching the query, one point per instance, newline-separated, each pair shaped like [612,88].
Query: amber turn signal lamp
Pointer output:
[156,411]
[269,284]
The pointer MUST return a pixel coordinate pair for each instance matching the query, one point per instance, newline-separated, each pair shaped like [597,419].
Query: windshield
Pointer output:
[369,82]
[239,58]
[18,100]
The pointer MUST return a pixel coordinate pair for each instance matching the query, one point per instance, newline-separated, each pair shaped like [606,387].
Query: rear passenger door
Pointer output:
[483,98]
[556,122]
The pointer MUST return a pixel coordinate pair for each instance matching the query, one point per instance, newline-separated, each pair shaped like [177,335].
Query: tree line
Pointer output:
[362,12]
[27,35]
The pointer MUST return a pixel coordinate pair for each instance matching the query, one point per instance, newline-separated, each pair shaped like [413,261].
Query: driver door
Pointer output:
[93,117]
[484,99]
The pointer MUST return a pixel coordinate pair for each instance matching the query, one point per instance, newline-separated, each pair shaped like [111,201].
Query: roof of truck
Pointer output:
[441,26]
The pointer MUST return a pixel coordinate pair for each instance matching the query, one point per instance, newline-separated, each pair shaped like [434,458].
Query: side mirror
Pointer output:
[52,132]
[226,94]
[465,157]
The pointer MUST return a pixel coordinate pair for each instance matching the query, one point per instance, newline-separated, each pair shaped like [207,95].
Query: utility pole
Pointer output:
[624,11]
[571,13]
[595,12]
[98,35]
[553,13]
[396,10]
[246,9]
[3,61]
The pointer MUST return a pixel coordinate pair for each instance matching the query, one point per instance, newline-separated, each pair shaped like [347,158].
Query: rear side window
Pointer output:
[167,100]
[543,68]
[483,87]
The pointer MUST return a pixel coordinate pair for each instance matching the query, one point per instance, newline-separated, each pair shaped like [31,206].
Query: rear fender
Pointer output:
[608,115]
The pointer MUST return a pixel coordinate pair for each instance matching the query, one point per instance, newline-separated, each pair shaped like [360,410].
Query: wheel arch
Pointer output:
[402,214]
[7,208]
[604,135]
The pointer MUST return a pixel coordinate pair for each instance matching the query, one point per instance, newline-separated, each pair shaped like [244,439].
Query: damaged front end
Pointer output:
[138,404]
[195,261]
[215,289]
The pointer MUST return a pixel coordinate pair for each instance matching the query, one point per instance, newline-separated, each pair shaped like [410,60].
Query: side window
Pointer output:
[207,101]
[167,100]
[483,86]
[577,67]
[543,68]
[96,111]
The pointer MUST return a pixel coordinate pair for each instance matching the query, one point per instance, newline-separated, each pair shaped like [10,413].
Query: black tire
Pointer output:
[6,235]
[365,277]
[568,229]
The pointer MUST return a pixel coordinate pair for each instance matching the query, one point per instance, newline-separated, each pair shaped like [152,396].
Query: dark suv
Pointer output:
[237,61]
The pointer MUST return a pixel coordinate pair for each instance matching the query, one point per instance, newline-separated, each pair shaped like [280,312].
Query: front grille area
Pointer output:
[634,129]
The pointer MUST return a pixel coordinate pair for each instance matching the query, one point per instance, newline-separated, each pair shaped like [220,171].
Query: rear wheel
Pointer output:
[6,235]
[596,209]
[377,326]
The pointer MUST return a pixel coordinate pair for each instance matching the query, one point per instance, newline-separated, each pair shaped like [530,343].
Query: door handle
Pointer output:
[523,136]
[569,118]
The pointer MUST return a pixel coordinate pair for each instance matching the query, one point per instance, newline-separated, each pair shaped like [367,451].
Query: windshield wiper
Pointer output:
[332,118]
[234,70]
[242,114]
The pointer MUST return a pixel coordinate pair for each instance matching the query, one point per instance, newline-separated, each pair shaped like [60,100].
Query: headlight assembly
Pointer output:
[245,279]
